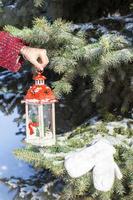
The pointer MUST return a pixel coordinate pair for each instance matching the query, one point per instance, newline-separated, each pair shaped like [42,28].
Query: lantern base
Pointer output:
[41,142]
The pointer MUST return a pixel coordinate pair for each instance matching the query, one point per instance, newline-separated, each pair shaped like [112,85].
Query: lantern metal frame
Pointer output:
[39,95]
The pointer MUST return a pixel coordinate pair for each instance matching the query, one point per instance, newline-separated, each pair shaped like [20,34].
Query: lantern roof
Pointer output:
[40,93]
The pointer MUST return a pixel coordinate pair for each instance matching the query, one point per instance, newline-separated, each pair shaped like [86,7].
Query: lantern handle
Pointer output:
[38,71]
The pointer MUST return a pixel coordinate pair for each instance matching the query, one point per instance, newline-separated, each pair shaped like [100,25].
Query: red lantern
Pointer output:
[40,113]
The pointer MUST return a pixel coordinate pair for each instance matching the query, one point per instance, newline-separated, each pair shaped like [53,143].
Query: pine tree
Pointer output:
[70,57]
[17,13]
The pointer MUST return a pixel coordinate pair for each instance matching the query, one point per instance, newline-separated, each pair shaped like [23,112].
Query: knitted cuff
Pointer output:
[10,47]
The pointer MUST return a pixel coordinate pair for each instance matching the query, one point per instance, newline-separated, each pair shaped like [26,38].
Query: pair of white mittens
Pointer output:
[99,157]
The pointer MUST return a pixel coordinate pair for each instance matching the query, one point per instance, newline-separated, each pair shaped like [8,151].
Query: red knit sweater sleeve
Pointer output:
[10,47]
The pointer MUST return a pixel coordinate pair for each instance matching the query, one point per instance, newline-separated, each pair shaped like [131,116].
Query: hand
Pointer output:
[35,56]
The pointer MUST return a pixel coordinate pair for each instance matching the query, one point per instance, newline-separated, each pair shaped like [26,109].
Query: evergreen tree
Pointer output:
[17,13]
[70,57]
[108,62]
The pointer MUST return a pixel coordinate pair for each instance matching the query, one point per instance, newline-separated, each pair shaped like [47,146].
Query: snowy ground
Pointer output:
[9,165]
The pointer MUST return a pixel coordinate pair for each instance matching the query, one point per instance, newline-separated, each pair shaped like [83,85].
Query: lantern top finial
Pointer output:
[39,76]
[39,92]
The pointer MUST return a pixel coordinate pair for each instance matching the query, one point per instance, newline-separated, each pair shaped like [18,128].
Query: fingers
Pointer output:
[35,56]
[44,58]
[37,65]
[117,171]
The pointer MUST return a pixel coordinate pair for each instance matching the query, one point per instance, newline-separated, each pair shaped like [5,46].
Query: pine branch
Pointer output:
[52,158]
[37,160]
[38,3]
[69,51]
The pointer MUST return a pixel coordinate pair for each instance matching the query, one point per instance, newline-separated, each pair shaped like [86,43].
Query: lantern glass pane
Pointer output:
[47,114]
[33,120]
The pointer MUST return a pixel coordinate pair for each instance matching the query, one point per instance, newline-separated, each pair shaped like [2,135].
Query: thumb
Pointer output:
[117,171]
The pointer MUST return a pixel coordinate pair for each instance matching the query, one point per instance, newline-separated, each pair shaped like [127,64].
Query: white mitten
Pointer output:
[100,156]
[118,173]
[103,175]
[105,170]
[80,162]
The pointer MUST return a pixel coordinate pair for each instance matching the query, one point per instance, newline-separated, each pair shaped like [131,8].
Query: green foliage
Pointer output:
[121,130]
[71,56]
[131,6]
[38,3]
[52,158]
[36,160]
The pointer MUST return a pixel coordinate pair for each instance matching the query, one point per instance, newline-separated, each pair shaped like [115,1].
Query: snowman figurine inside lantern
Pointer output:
[40,113]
